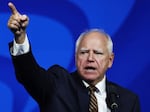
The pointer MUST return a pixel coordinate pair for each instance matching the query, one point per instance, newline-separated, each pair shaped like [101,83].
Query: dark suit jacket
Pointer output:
[56,90]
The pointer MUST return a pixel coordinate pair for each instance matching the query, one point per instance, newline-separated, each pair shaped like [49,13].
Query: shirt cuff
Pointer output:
[19,49]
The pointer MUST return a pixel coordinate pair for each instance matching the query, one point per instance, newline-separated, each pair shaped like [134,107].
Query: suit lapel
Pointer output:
[112,89]
[82,94]
[83,99]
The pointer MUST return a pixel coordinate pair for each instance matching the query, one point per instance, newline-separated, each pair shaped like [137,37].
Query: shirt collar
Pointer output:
[101,86]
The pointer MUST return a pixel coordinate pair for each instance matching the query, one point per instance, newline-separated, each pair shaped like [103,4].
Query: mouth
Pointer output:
[90,68]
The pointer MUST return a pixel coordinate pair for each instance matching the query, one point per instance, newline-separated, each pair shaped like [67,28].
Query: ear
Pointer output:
[111,59]
[76,58]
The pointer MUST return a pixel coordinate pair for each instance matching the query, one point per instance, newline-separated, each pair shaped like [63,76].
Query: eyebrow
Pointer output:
[95,50]
[83,49]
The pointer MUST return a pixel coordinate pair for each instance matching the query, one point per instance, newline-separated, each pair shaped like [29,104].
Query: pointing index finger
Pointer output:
[12,8]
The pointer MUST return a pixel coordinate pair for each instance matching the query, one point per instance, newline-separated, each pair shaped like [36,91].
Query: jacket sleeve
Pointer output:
[33,77]
[136,107]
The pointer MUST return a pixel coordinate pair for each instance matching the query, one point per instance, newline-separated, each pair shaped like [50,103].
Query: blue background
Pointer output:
[53,29]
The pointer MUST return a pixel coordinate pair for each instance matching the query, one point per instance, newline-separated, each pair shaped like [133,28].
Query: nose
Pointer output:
[90,57]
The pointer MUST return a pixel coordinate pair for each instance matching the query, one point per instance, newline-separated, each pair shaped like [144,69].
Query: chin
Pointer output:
[90,78]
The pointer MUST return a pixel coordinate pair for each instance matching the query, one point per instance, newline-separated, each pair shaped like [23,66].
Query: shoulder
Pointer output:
[125,98]
[120,90]
[58,71]
[56,68]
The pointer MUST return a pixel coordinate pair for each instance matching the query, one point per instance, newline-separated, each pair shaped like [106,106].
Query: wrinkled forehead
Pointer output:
[93,41]
[94,38]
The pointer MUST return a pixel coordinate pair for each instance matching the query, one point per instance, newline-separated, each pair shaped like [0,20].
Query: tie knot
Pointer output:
[92,88]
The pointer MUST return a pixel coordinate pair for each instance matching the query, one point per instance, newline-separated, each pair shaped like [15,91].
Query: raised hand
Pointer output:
[17,23]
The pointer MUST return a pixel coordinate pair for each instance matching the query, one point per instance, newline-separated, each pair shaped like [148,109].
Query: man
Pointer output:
[57,90]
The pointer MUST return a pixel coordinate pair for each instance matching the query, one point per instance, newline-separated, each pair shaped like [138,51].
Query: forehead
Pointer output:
[94,38]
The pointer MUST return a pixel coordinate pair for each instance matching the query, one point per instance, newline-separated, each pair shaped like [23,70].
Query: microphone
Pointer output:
[112,98]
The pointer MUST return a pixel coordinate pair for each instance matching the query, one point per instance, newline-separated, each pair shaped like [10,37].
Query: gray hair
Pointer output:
[109,44]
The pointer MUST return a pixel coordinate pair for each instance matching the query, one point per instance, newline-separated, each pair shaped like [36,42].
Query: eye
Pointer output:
[83,51]
[98,52]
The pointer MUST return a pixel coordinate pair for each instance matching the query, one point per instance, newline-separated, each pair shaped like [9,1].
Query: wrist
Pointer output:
[20,38]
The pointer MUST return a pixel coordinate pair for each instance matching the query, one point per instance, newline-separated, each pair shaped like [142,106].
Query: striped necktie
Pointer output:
[93,107]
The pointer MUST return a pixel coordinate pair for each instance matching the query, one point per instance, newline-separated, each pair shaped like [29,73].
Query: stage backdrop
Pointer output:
[53,29]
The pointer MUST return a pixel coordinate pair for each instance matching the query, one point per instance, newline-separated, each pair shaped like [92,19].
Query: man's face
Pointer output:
[93,57]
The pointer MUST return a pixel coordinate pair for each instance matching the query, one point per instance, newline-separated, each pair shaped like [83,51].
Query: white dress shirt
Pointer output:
[100,95]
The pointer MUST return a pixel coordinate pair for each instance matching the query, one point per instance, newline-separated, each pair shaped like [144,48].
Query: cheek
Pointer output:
[80,62]
[102,63]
